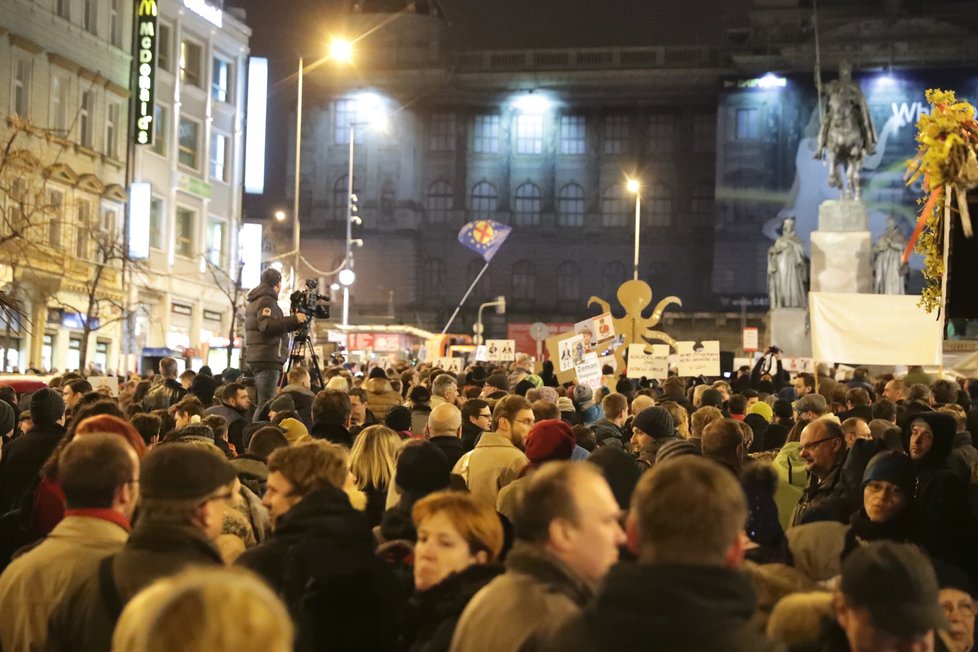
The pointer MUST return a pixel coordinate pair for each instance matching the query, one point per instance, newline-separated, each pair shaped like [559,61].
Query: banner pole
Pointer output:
[464,297]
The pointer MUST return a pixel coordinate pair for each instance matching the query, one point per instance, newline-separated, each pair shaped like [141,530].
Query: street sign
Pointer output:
[539,331]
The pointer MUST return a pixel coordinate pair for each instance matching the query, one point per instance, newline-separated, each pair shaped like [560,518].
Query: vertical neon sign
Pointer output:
[147,13]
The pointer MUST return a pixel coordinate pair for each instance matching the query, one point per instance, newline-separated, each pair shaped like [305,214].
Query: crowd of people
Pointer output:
[411,509]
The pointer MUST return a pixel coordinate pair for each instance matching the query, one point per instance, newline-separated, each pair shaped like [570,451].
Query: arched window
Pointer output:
[481,290]
[341,198]
[433,278]
[702,205]
[485,198]
[388,201]
[660,206]
[613,274]
[568,281]
[439,202]
[526,205]
[614,206]
[524,280]
[570,206]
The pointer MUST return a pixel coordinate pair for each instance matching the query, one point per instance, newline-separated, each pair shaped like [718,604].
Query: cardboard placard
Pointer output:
[571,353]
[500,350]
[454,365]
[105,381]
[480,353]
[699,359]
[751,339]
[596,332]
[588,372]
[555,345]
[651,364]
[798,365]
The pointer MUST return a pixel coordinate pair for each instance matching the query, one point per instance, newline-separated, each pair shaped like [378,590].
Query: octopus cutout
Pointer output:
[635,296]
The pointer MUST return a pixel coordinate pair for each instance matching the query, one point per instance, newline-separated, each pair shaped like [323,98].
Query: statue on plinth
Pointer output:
[889,271]
[847,134]
[787,269]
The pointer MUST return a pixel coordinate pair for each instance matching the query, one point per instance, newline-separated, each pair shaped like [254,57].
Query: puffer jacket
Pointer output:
[792,480]
[266,329]
[381,397]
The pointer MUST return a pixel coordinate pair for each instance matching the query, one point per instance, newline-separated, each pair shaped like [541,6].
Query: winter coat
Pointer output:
[332,432]
[22,461]
[667,608]
[606,429]
[490,466]
[320,560]
[302,398]
[236,424]
[964,456]
[451,446]
[381,397]
[536,589]
[266,329]
[647,455]
[252,472]
[432,615]
[823,501]
[162,395]
[792,477]
[419,418]
[471,434]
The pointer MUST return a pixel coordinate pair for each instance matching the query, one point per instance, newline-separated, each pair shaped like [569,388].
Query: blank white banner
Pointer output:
[878,329]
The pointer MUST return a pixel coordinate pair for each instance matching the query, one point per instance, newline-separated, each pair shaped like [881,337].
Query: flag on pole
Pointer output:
[484,237]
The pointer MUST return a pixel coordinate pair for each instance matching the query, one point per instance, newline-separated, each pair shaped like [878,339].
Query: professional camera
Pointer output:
[310,302]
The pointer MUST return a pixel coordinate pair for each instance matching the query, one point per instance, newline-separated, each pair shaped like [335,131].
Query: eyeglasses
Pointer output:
[525,422]
[812,445]
[484,416]
[966,608]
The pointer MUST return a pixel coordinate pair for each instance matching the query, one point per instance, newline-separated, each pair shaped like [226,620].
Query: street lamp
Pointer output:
[634,186]
[341,50]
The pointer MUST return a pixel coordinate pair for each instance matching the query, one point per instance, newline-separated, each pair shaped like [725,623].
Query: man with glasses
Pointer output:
[823,447]
[476,419]
[958,601]
[183,492]
[498,458]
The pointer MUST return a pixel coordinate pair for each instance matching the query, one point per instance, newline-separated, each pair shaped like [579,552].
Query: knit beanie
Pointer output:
[549,440]
[47,407]
[583,397]
[7,418]
[183,472]
[422,468]
[282,403]
[677,448]
[548,394]
[762,409]
[655,421]
[398,419]
[295,431]
[894,467]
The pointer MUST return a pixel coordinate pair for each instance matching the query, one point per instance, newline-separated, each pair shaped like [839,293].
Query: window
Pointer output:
[112,113]
[221,80]
[529,134]
[189,143]
[74,352]
[56,214]
[662,134]
[190,60]
[573,134]
[156,223]
[484,199]
[115,22]
[344,115]
[524,280]
[486,134]
[184,232]
[63,8]
[109,220]
[216,230]
[612,275]
[59,104]
[433,278]
[614,206]
[568,281]
[86,115]
[660,206]
[47,351]
[164,58]
[18,201]
[83,230]
[388,201]
[441,138]
[90,16]
[570,206]
[439,202]
[702,204]
[341,197]
[161,118]
[219,156]
[746,124]
[615,135]
[526,205]
[22,87]
[101,359]
[704,132]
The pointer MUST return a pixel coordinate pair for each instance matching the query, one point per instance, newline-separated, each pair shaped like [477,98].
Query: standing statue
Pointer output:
[847,134]
[787,269]
[889,271]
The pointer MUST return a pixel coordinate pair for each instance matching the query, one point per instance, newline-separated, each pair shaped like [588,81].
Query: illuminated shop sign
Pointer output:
[147,13]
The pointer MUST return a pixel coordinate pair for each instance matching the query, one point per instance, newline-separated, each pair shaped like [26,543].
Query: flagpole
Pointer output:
[464,297]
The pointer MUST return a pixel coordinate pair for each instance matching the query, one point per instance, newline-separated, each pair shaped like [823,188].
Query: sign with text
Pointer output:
[589,371]
[750,339]
[651,364]
[500,350]
[699,359]
[147,15]
[571,352]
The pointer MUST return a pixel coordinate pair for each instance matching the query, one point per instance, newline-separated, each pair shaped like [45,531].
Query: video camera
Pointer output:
[310,302]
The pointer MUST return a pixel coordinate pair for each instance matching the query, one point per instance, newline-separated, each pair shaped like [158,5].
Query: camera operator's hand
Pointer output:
[301,317]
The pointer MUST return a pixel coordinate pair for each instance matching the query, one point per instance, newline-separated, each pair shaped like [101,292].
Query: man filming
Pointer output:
[266,334]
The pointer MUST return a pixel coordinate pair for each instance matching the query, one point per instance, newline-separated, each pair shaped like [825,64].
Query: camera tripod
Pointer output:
[299,348]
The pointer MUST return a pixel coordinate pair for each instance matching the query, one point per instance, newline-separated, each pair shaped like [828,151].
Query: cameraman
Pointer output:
[266,334]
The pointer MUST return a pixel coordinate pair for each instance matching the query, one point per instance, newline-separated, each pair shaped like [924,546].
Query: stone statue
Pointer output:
[847,134]
[787,269]
[889,271]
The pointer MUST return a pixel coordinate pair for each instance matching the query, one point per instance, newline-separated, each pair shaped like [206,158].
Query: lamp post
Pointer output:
[635,187]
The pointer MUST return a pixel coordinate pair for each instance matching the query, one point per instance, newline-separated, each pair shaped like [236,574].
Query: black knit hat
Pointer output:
[7,418]
[47,407]
[422,468]
[894,467]
[282,403]
[655,421]
[183,472]
[398,419]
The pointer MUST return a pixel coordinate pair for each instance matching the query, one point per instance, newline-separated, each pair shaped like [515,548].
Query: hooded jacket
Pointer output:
[266,329]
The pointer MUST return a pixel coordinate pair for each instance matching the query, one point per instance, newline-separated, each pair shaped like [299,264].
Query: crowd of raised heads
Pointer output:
[407,508]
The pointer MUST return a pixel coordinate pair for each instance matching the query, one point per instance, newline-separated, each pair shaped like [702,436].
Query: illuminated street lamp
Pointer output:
[634,186]
[280,216]
[341,50]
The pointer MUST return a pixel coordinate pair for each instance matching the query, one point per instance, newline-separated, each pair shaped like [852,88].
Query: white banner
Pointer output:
[701,359]
[501,350]
[654,364]
[589,371]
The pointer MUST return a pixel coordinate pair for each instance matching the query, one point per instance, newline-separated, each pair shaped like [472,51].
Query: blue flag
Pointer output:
[484,237]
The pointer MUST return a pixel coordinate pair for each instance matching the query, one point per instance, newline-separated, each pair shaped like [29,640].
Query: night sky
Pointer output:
[283,28]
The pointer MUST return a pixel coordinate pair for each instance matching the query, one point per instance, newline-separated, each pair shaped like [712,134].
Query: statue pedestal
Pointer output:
[842,249]
[788,330]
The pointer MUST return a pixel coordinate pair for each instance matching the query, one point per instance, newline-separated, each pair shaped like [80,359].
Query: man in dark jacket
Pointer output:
[476,419]
[234,408]
[23,457]
[823,447]
[298,388]
[266,334]
[166,393]
[651,429]
[444,429]
[331,417]
[685,593]
[320,557]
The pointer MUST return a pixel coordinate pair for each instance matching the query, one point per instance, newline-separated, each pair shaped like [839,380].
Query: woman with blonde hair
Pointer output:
[372,463]
[205,610]
[459,538]
[680,417]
